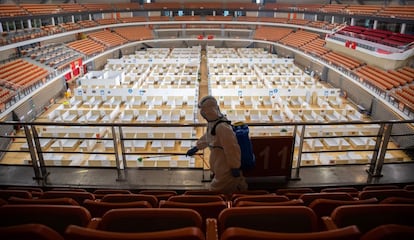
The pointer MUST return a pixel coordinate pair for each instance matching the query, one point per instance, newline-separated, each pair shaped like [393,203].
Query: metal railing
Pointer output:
[116,145]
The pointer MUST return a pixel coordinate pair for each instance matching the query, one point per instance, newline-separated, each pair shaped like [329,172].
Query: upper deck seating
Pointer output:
[135,33]
[271,33]
[107,38]
[86,46]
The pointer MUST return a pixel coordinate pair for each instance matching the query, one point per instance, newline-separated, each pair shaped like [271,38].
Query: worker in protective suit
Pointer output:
[224,149]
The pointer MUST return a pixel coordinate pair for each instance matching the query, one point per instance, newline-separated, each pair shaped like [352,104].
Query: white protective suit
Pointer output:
[224,149]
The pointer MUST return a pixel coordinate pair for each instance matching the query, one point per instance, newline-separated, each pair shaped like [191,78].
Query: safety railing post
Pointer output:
[35,163]
[376,149]
[121,177]
[383,150]
[302,136]
[39,152]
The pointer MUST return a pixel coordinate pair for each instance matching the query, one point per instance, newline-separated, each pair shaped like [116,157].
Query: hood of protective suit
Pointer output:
[209,109]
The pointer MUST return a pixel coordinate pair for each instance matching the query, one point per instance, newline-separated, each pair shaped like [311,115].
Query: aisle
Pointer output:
[203,84]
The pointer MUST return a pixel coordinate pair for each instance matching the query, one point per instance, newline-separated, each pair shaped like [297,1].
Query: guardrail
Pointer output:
[120,146]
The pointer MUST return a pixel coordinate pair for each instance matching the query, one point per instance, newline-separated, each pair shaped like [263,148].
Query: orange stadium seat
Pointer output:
[52,201]
[57,217]
[99,208]
[269,218]
[292,202]
[384,193]
[78,196]
[260,198]
[34,231]
[236,233]
[117,198]
[99,193]
[388,232]
[368,216]
[148,219]
[159,194]
[309,197]
[74,232]
[196,198]
[205,209]
[6,193]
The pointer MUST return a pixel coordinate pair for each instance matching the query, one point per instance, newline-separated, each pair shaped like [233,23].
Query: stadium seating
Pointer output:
[74,232]
[368,216]
[147,219]
[269,218]
[99,208]
[57,217]
[237,233]
[33,231]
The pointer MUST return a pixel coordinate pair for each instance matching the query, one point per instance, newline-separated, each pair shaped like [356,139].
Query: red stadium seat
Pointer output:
[346,233]
[117,198]
[74,232]
[269,218]
[99,208]
[57,217]
[389,232]
[148,219]
[32,231]
[51,201]
[369,216]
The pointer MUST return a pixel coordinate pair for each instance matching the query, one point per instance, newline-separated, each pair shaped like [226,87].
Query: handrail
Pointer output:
[119,154]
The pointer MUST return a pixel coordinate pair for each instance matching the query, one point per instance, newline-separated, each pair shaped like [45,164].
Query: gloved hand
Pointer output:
[191,151]
[235,172]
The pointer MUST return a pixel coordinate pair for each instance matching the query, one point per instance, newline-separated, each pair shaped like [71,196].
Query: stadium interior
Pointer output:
[98,107]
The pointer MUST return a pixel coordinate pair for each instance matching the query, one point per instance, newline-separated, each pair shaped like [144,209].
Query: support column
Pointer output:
[1,27]
[73,19]
[375,24]
[352,21]
[332,19]
[29,23]
[53,21]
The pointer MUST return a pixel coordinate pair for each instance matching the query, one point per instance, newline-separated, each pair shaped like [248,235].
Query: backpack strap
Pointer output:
[213,130]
